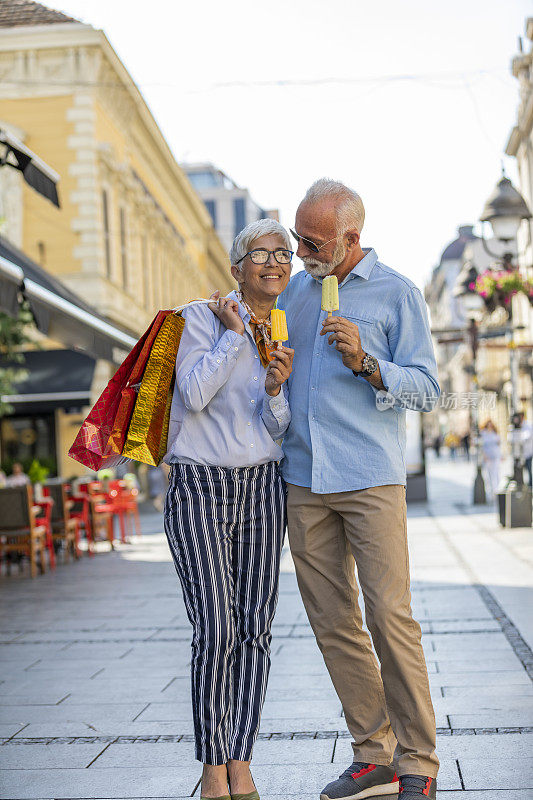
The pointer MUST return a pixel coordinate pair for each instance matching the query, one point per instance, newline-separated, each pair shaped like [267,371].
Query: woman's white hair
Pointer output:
[349,208]
[243,242]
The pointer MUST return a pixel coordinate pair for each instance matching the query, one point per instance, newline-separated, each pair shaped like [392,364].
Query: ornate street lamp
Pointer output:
[505,209]
[472,307]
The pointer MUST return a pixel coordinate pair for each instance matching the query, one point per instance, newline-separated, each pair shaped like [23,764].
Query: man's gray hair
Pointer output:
[243,242]
[349,208]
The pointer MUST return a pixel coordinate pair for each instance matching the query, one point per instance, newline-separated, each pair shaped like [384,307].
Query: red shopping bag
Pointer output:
[91,446]
[128,396]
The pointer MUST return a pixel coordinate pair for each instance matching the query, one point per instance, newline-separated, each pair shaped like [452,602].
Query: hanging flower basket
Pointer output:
[497,287]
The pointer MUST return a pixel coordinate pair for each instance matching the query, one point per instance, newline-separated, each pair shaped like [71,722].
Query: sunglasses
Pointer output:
[315,248]
[261,256]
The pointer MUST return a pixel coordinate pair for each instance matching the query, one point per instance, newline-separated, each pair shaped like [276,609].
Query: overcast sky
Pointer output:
[410,102]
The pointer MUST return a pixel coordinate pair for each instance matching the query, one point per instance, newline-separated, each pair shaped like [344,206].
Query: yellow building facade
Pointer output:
[131,235]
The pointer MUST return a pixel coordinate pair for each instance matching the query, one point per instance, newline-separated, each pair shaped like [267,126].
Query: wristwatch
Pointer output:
[370,365]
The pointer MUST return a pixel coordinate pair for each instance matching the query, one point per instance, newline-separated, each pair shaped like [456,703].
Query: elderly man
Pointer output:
[354,374]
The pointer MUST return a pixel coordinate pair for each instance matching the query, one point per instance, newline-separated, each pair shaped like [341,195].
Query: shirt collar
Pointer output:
[363,268]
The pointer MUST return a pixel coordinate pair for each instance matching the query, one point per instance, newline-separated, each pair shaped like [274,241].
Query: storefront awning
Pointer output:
[61,320]
[58,312]
[11,278]
[37,174]
[54,379]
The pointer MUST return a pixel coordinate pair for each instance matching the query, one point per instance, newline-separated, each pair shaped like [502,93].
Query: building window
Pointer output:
[145,271]
[25,437]
[123,248]
[163,282]
[41,248]
[238,213]
[204,180]
[155,276]
[107,234]
[212,208]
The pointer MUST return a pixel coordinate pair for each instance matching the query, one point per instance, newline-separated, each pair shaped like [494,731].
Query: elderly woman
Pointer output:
[225,506]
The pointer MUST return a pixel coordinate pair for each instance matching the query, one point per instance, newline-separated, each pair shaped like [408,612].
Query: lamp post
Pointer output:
[472,308]
[504,210]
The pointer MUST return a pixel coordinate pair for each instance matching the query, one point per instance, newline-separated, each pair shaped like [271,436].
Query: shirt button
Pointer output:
[249,424]
[236,348]
[252,401]
[256,356]
[218,360]
[256,378]
[251,445]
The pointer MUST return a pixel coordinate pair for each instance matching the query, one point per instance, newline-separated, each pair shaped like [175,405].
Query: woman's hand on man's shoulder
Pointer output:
[227,310]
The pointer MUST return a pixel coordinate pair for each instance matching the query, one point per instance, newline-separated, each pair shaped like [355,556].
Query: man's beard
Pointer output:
[319,269]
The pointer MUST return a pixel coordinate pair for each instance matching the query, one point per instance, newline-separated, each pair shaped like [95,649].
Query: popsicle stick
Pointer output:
[279,345]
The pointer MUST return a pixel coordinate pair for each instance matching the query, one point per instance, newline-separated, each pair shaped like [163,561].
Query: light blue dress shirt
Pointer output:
[344,435]
[218,407]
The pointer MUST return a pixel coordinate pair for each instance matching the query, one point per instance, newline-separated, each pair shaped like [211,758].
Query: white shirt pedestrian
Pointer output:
[491,445]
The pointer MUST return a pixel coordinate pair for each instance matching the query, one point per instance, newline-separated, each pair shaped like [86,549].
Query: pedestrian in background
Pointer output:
[451,441]
[465,441]
[492,456]
[437,444]
[527,447]
[18,477]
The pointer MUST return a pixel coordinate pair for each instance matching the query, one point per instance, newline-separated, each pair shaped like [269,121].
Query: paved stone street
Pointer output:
[95,677]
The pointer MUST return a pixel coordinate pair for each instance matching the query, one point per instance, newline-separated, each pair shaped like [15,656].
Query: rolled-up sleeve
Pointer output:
[411,376]
[276,414]
[204,363]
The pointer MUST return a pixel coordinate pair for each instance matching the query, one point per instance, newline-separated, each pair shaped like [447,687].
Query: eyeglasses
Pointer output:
[315,248]
[261,256]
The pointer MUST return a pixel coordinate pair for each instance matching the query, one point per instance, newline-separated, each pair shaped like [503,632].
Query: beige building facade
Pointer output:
[131,235]
[520,143]
[520,146]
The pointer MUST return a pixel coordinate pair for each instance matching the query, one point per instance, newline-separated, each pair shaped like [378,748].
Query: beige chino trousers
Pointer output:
[389,711]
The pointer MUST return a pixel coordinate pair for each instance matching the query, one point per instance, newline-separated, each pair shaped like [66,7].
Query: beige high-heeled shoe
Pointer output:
[222,797]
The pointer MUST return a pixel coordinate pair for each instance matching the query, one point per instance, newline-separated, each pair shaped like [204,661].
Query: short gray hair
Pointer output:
[242,243]
[349,208]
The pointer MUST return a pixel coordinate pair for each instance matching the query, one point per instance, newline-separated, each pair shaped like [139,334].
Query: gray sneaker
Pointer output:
[416,787]
[362,780]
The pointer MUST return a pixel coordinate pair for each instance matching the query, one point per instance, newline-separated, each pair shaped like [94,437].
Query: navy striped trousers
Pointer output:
[225,528]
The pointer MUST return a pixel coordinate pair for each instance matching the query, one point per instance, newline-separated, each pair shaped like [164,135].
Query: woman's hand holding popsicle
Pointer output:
[278,370]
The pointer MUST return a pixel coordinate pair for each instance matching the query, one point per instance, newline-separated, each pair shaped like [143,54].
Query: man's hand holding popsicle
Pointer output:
[342,332]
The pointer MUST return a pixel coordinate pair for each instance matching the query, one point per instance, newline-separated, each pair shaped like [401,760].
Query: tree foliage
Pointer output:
[13,336]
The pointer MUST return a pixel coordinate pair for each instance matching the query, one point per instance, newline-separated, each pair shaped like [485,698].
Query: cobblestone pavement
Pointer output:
[95,678]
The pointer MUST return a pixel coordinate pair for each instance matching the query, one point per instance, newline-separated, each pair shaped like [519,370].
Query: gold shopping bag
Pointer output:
[146,440]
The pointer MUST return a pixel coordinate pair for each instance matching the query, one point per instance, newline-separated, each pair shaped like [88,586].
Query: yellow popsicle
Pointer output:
[279,326]
[330,294]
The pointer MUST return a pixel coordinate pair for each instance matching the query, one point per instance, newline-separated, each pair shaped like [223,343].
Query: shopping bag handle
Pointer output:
[177,309]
